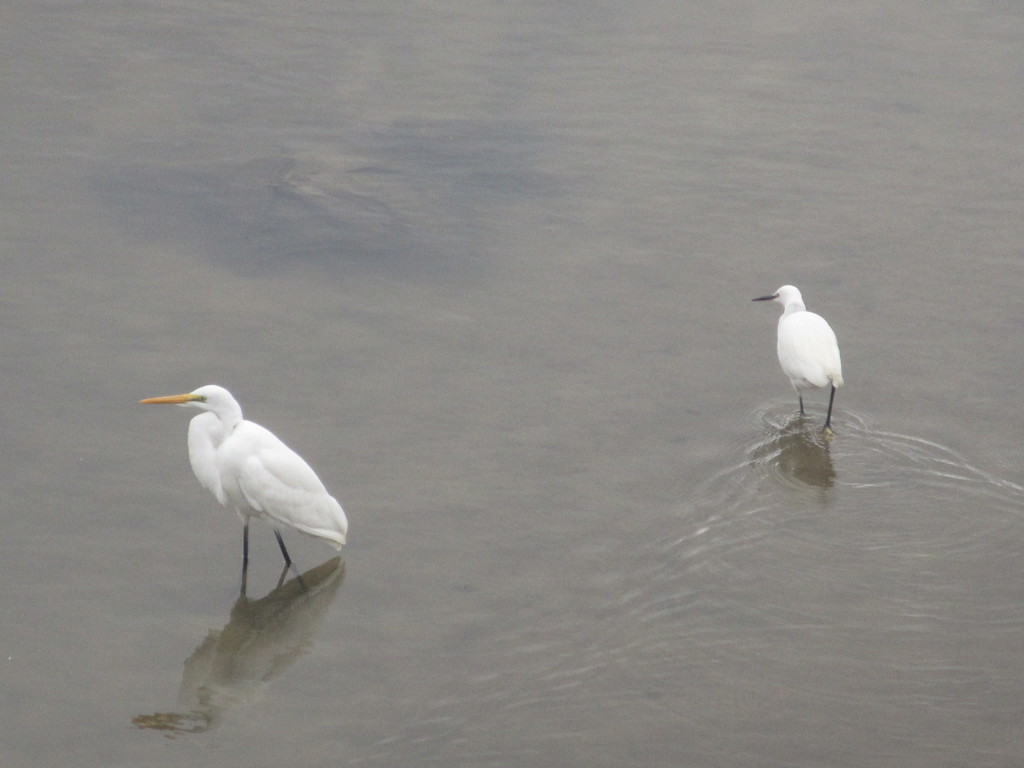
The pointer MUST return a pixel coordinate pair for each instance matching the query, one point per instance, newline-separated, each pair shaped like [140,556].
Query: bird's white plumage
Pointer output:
[281,486]
[249,469]
[808,351]
[807,347]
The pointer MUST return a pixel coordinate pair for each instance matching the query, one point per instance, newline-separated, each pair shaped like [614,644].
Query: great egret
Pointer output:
[808,350]
[247,468]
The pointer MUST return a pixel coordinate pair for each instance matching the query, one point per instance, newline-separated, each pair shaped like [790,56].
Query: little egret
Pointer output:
[808,350]
[248,468]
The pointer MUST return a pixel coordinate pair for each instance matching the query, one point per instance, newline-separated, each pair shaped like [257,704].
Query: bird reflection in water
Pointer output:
[797,453]
[263,638]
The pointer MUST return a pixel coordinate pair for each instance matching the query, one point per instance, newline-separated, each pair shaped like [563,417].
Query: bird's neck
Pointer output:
[230,420]
[214,428]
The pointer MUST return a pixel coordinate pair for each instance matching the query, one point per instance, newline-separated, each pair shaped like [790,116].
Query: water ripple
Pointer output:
[846,586]
[851,569]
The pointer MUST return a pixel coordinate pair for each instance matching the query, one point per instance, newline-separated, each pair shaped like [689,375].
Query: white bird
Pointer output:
[808,350]
[247,468]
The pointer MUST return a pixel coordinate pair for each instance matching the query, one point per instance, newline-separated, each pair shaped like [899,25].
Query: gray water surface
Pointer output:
[488,267]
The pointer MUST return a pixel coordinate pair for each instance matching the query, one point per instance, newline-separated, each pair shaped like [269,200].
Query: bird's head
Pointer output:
[207,398]
[786,295]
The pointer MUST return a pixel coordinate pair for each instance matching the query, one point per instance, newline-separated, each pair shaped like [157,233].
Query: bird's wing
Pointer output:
[808,350]
[279,483]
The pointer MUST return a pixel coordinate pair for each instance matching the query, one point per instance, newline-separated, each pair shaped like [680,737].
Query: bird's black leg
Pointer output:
[280,579]
[801,404]
[298,577]
[280,543]
[245,555]
[288,559]
[828,416]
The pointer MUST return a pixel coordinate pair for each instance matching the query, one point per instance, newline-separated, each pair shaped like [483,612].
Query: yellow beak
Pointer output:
[171,399]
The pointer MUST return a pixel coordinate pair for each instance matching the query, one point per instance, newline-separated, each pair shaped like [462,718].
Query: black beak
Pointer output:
[766,298]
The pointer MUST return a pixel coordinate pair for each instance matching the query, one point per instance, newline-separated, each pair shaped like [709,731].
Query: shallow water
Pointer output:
[489,269]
